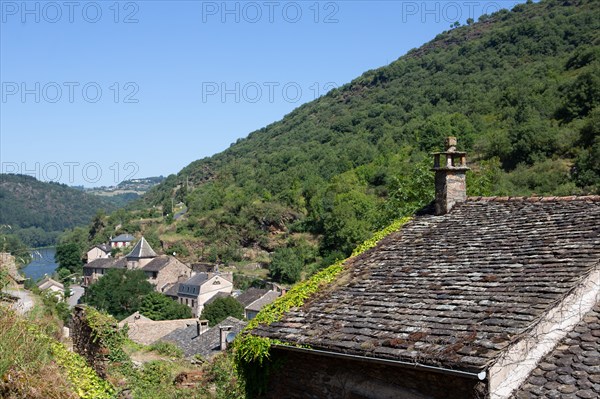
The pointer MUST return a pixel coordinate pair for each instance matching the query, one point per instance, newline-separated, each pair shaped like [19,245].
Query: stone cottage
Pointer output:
[473,298]
[98,252]
[200,340]
[254,299]
[121,241]
[201,287]
[163,271]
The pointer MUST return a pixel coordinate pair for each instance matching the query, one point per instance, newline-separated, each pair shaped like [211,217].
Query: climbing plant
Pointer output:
[252,352]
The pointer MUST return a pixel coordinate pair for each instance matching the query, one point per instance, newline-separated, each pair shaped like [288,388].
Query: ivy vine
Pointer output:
[252,352]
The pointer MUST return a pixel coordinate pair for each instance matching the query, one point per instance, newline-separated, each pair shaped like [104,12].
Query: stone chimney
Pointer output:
[450,169]
[224,330]
[201,327]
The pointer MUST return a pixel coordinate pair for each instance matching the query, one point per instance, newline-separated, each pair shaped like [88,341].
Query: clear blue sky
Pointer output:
[93,92]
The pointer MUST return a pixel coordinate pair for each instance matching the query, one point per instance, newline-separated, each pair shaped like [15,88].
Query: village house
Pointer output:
[254,299]
[51,285]
[164,271]
[201,287]
[473,298]
[97,268]
[204,341]
[146,331]
[121,241]
[98,252]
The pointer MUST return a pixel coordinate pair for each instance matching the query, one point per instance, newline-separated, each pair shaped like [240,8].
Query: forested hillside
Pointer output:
[520,89]
[38,212]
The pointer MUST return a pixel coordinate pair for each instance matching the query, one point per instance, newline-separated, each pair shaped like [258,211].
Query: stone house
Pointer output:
[473,298]
[164,271]
[204,341]
[201,287]
[49,284]
[141,254]
[101,251]
[254,299]
[122,240]
[146,331]
[97,268]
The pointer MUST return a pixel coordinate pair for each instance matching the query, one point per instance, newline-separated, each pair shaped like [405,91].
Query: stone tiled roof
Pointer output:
[142,250]
[147,332]
[572,369]
[453,290]
[157,264]
[123,238]
[264,300]
[137,316]
[251,295]
[48,282]
[208,343]
[103,247]
[172,290]
[100,263]
[7,262]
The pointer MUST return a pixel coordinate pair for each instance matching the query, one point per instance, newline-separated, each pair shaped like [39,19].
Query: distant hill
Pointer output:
[520,89]
[37,211]
[126,191]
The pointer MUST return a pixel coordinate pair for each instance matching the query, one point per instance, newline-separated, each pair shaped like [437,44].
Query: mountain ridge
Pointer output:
[520,89]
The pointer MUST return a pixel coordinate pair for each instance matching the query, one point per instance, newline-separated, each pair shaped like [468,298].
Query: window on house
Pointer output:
[216,282]
[154,274]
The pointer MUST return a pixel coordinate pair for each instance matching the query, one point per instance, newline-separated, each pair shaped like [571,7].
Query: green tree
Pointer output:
[157,306]
[119,292]
[285,266]
[218,310]
[68,256]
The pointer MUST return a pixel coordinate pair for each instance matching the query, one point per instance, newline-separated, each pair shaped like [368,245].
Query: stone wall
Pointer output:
[85,344]
[170,274]
[310,376]
[8,263]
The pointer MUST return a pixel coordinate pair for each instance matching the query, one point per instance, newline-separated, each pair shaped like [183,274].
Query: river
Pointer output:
[42,263]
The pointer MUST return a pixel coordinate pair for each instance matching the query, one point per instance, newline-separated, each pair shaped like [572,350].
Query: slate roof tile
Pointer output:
[206,344]
[157,264]
[251,295]
[454,290]
[573,367]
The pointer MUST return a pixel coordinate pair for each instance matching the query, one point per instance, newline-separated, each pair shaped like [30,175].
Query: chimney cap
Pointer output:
[452,159]
[451,143]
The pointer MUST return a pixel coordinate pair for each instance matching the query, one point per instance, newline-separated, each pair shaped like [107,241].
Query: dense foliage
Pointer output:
[520,89]
[221,308]
[37,212]
[157,306]
[119,292]
[68,256]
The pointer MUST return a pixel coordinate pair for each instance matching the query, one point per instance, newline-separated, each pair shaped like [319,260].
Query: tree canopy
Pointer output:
[119,292]
[221,308]
[157,306]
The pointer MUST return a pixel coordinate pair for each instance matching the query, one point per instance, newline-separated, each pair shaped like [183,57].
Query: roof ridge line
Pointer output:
[593,198]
